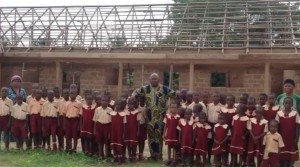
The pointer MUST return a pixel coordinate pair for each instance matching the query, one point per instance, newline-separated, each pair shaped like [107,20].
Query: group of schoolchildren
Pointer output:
[253,134]
[96,119]
[193,127]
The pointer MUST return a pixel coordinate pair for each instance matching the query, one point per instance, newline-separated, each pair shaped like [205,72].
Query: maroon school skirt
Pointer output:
[143,132]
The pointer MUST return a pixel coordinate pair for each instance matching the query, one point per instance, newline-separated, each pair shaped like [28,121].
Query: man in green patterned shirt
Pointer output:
[157,96]
[288,88]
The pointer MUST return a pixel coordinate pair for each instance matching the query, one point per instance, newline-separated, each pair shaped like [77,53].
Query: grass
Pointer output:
[44,158]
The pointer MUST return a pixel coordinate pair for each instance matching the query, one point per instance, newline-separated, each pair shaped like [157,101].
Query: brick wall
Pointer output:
[94,77]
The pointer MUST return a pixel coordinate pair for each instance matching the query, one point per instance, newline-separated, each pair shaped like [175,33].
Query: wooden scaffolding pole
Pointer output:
[191,77]
[120,79]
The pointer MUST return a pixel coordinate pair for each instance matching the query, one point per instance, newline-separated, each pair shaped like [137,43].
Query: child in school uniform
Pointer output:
[272,144]
[117,130]
[262,99]
[198,108]
[111,102]
[49,116]
[213,111]
[102,119]
[220,146]
[258,127]
[72,111]
[133,118]
[170,133]
[34,87]
[202,131]
[57,97]
[87,125]
[238,135]
[289,129]
[5,111]
[34,109]
[189,100]
[270,109]
[61,118]
[20,121]
[229,110]
[143,126]
[251,106]
[185,127]
[196,100]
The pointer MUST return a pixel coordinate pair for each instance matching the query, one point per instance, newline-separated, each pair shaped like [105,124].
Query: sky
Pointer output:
[14,3]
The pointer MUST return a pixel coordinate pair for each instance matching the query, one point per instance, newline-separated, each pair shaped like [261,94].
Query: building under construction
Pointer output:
[231,46]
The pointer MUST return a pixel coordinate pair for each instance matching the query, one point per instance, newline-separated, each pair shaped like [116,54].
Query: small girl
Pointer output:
[87,124]
[220,146]
[202,131]
[251,106]
[117,130]
[197,109]
[133,118]
[170,132]
[289,130]
[270,109]
[229,109]
[257,127]
[239,132]
[185,127]
[61,118]
[272,144]
[143,126]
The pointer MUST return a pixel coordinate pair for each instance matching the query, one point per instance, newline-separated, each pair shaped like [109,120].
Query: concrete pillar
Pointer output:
[267,83]
[191,77]
[171,76]
[58,80]
[120,79]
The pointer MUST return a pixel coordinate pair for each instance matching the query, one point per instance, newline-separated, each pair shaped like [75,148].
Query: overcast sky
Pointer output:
[4,3]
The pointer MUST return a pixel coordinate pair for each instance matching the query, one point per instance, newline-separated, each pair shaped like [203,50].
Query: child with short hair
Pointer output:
[251,106]
[257,127]
[289,129]
[271,109]
[189,100]
[34,87]
[238,136]
[185,127]
[143,126]
[202,131]
[34,109]
[229,110]
[44,93]
[262,98]
[49,116]
[198,108]
[133,118]
[117,130]
[72,111]
[102,119]
[5,111]
[196,100]
[220,146]
[20,121]
[87,125]
[272,144]
[170,133]
[57,97]
[213,111]
[61,119]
